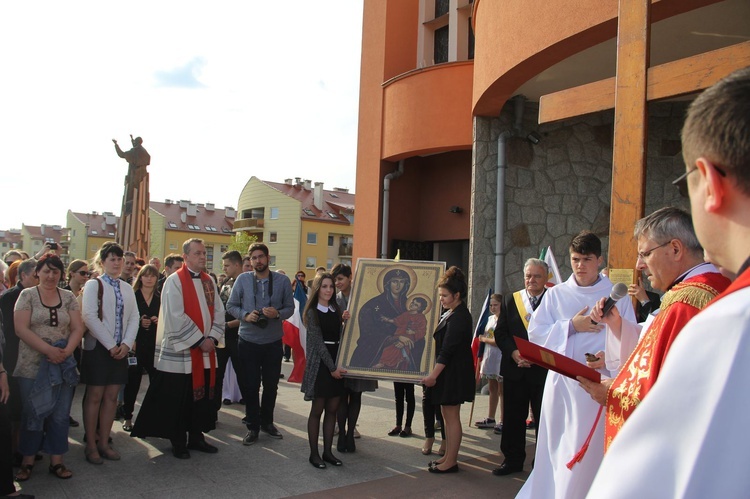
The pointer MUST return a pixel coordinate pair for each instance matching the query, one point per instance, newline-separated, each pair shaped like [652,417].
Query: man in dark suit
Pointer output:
[523,382]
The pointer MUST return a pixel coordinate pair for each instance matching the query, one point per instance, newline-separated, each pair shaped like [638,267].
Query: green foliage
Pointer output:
[242,241]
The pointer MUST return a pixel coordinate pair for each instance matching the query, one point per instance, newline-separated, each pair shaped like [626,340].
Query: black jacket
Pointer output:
[509,325]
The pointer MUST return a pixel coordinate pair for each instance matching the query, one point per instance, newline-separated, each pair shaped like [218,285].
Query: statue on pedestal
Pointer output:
[133,229]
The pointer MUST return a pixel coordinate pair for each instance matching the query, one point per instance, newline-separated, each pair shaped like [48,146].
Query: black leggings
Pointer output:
[431,413]
[404,391]
[348,412]
[319,405]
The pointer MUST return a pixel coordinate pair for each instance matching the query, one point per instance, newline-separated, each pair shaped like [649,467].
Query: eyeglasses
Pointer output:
[84,273]
[681,181]
[643,255]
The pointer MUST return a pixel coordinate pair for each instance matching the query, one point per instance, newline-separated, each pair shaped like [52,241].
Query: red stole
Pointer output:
[638,375]
[193,311]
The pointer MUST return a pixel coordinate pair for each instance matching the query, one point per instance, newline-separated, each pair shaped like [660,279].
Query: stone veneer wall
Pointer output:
[558,187]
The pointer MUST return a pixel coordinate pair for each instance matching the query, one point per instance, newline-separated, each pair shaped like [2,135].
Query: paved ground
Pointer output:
[383,466]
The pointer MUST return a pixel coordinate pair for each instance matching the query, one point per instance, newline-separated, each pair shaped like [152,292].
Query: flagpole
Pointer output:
[476,380]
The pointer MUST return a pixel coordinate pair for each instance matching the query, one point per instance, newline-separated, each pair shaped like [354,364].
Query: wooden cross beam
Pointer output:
[681,77]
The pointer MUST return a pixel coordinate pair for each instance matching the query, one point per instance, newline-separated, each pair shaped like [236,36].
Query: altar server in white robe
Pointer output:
[689,437]
[562,323]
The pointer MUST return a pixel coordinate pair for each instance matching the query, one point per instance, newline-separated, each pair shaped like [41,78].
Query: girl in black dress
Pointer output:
[452,378]
[323,382]
[148,299]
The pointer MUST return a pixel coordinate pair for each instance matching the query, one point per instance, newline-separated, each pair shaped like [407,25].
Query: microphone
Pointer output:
[619,291]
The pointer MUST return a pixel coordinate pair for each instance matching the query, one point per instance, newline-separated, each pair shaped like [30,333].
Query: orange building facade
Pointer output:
[437,87]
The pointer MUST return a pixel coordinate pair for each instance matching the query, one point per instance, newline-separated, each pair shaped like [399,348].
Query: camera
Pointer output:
[262,321]
[53,246]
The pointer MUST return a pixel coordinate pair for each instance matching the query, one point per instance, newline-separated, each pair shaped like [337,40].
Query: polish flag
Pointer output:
[295,335]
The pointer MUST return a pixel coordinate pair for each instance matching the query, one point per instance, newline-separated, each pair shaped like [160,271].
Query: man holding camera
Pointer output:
[261,300]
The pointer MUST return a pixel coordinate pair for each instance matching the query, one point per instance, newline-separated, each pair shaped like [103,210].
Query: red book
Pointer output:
[554,361]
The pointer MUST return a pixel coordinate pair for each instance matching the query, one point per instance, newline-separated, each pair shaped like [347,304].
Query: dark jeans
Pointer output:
[260,364]
[517,394]
[404,391]
[230,351]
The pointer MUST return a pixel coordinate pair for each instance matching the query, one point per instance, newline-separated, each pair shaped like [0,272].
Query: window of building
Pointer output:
[330,241]
[312,238]
[440,47]
[274,213]
[329,263]
[311,262]
[441,7]
[172,225]
[272,261]
[224,248]
[172,246]
[308,212]
[272,237]
[209,257]
[254,213]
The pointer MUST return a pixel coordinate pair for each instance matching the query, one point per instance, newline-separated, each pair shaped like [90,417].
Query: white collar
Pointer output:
[324,309]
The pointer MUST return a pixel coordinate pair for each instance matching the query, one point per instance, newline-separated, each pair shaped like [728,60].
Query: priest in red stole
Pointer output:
[181,402]
[672,258]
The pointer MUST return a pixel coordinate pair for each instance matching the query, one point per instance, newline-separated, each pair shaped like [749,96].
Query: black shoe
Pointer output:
[73,423]
[281,376]
[406,432]
[250,438]
[506,469]
[350,445]
[395,432]
[271,430]
[330,458]
[180,451]
[341,444]
[202,446]
[452,469]
[227,402]
[317,463]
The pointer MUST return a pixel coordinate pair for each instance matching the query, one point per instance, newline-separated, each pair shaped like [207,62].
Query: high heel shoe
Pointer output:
[317,463]
[330,458]
[427,447]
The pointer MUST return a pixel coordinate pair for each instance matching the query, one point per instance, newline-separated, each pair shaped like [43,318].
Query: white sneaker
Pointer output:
[485,423]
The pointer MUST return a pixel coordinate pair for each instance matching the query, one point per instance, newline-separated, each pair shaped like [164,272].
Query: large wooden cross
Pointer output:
[628,93]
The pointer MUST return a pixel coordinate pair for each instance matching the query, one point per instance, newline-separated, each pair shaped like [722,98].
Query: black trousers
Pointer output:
[404,391]
[260,364]
[431,413]
[517,395]
[6,453]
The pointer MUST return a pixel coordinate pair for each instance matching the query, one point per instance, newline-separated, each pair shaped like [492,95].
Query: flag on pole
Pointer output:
[548,257]
[295,334]
[477,346]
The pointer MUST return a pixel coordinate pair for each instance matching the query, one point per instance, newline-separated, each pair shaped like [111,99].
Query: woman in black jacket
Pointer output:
[452,378]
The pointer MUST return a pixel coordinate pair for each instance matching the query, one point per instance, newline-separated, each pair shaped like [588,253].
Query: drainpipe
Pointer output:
[386,206]
[502,166]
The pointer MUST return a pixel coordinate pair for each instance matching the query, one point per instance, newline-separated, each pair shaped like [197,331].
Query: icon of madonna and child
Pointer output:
[394,316]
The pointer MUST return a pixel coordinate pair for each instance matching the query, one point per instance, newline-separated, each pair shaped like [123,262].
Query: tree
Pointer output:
[242,241]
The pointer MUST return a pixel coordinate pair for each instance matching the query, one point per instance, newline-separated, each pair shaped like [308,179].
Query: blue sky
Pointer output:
[219,92]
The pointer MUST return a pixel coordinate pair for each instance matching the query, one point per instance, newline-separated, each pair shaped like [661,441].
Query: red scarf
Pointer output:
[193,310]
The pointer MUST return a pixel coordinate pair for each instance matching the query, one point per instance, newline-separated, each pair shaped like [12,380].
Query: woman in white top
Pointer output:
[490,369]
[111,316]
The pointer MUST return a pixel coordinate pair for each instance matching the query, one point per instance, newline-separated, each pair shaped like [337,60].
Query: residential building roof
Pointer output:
[195,217]
[331,208]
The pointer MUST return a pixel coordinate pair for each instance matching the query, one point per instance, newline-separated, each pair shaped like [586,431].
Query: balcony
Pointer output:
[345,249]
[249,224]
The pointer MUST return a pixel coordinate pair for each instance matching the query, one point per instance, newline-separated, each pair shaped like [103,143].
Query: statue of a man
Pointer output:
[137,156]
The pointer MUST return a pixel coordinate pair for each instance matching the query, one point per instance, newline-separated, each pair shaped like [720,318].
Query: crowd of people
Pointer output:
[637,432]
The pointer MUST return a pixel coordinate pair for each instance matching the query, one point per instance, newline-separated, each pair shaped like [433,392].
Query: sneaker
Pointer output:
[498,429]
[485,423]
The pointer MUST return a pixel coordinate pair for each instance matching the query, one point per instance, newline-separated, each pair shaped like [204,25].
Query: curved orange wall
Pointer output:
[536,34]
[428,110]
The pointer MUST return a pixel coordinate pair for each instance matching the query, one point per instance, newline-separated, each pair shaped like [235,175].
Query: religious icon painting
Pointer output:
[394,310]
